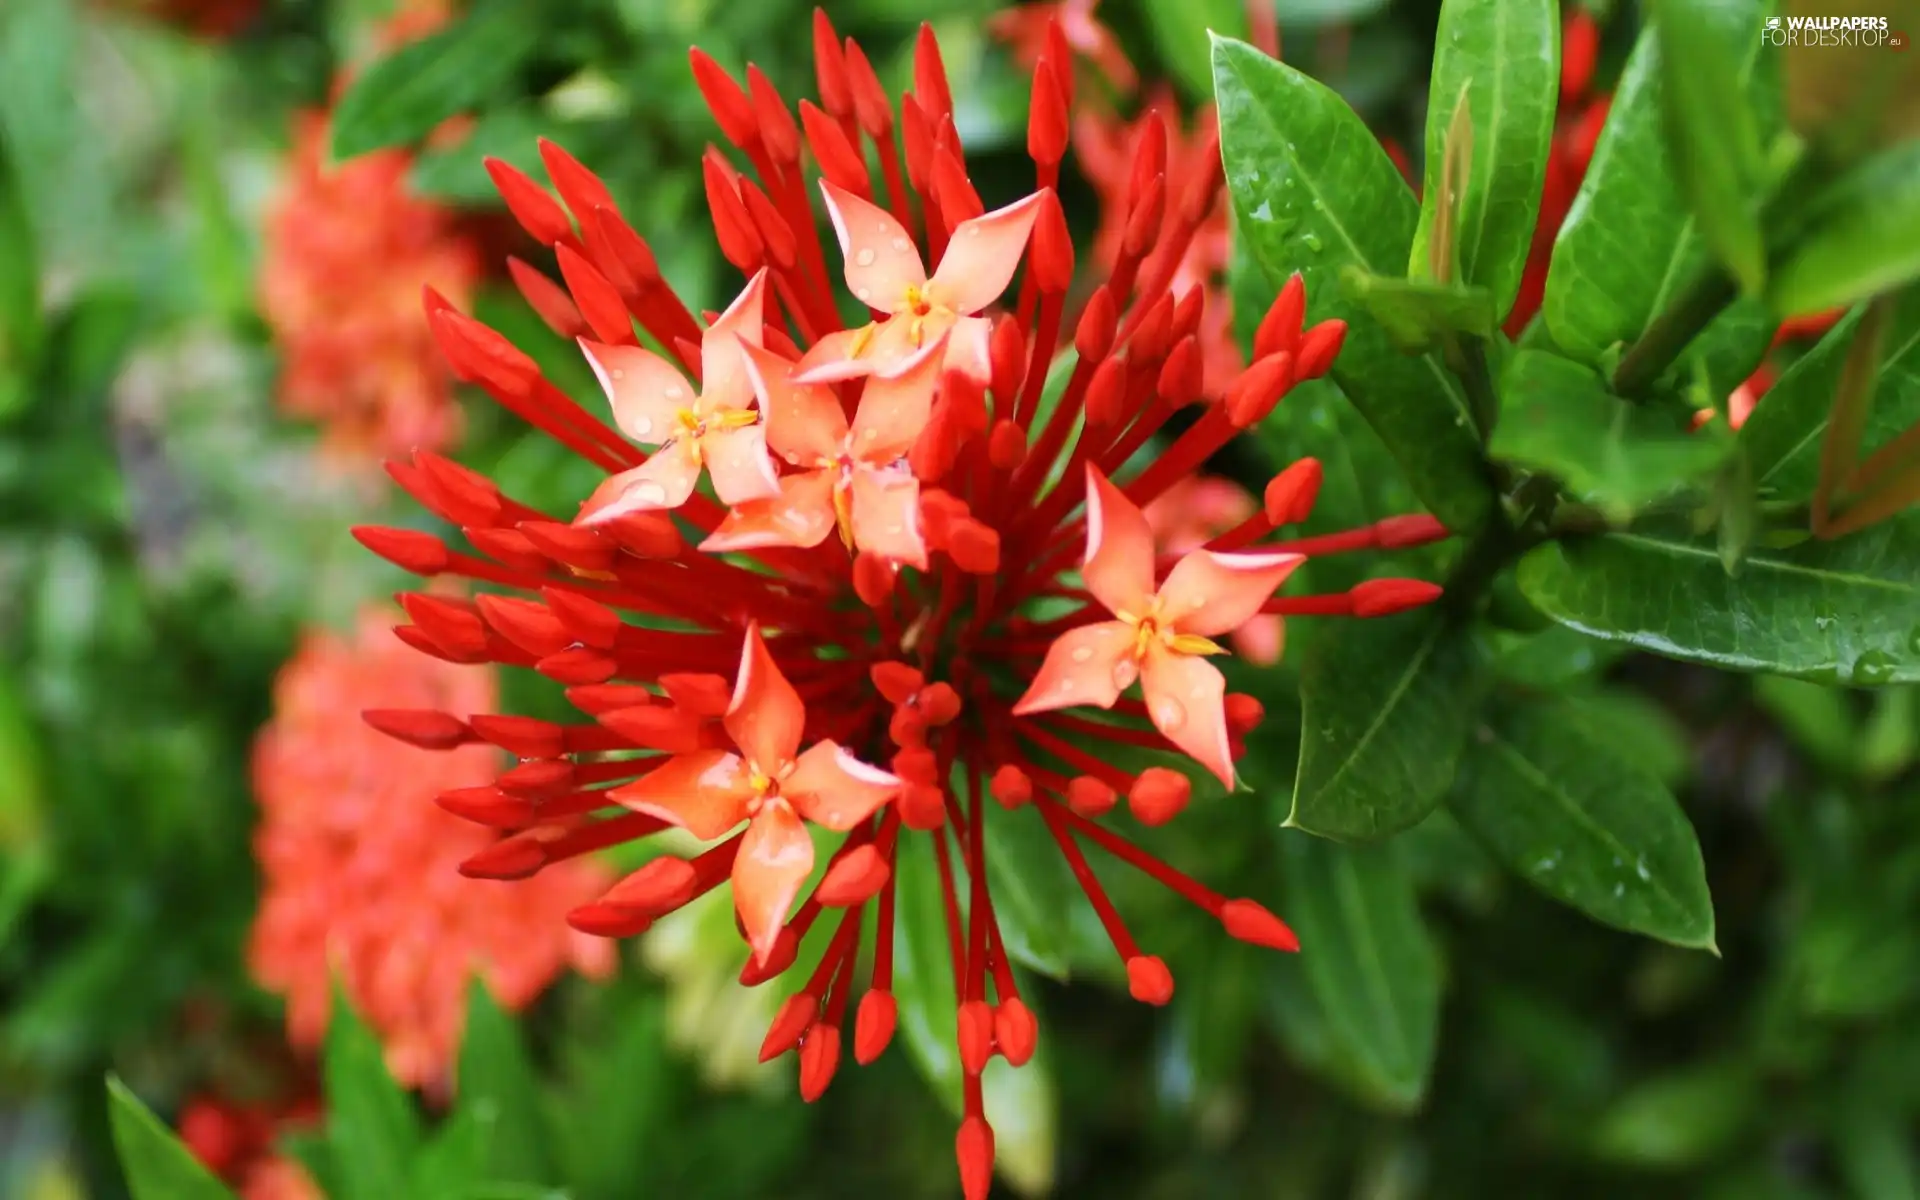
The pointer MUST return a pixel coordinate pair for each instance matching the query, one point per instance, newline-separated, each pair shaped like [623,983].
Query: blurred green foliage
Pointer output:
[1452,1032]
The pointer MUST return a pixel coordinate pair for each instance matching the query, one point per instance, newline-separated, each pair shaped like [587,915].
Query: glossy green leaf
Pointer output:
[1386,706]
[1629,247]
[453,1164]
[404,96]
[1846,611]
[1368,962]
[1572,811]
[371,1122]
[1417,314]
[1314,192]
[611,1114]
[923,983]
[1557,416]
[1505,57]
[1638,728]
[1553,658]
[1864,236]
[498,1085]
[21,331]
[1679,1119]
[1715,147]
[156,1165]
[459,173]
[1032,892]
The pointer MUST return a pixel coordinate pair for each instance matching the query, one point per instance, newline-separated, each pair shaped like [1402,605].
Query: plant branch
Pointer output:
[1655,349]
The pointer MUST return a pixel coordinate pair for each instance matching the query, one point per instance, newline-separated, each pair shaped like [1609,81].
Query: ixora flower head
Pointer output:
[984,438]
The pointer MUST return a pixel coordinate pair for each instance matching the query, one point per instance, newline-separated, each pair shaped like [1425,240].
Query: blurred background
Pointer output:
[210,339]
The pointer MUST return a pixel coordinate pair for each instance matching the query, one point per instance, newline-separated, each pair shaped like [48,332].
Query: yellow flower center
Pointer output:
[1149,627]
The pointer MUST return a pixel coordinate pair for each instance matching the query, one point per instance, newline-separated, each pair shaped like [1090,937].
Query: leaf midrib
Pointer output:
[1415,663]
[1682,550]
[1544,783]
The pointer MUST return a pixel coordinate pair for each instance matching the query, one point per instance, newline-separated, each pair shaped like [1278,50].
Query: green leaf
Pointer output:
[1628,246]
[1313,191]
[1181,30]
[1846,611]
[403,97]
[1574,813]
[1711,134]
[21,331]
[1368,962]
[1416,314]
[1504,56]
[1033,891]
[1557,416]
[1679,1119]
[923,983]
[1314,14]
[1638,728]
[157,1166]
[1385,709]
[498,1086]
[1864,236]
[458,172]
[1553,658]
[453,1164]
[371,1122]
[609,1119]
[1785,432]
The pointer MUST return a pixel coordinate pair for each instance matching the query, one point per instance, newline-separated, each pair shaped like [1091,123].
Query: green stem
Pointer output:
[1654,351]
[1467,358]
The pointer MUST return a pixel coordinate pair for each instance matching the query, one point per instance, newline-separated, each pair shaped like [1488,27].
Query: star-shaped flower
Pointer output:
[885,272]
[718,429]
[1159,637]
[767,782]
[856,477]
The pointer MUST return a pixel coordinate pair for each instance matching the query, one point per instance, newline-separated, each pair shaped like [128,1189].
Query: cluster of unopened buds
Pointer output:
[923,545]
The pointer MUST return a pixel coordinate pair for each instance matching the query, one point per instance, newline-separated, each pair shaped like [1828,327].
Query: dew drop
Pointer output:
[1310,242]
[1640,868]
[1081,653]
[617,373]
[899,243]
[1913,640]
[675,391]
[865,257]
[1873,668]
[642,426]
[649,492]
[1169,714]
[1125,672]
[864,293]
[895,529]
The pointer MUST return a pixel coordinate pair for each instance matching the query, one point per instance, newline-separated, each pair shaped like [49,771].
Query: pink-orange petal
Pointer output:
[1089,665]
[776,856]
[836,356]
[663,481]
[723,373]
[1119,560]
[738,461]
[1208,593]
[970,348]
[886,516]
[881,261]
[765,716]
[832,788]
[801,515]
[894,408]
[983,255]
[804,424]
[1186,701]
[645,390]
[705,792]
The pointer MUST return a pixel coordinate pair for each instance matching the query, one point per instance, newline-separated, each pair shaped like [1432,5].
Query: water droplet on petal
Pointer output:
[865,257]
[864,293]
[675,391]
[617,373]
[1081,653]
[1169,714]
[649,492]
[1125,672]
[642,426]
[899,243]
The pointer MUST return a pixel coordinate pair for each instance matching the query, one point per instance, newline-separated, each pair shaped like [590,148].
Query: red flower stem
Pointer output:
[1083,874]
[976,859]
[1135,857]
[954,948]
[1081,761]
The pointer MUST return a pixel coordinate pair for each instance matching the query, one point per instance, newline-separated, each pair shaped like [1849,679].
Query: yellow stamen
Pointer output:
[687,419]
[736,418]
[861,340]
[1193,643]
[843,515]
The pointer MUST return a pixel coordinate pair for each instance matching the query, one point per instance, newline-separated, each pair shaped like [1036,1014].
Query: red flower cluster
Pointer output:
[744,672]
[235,1142]
[346,250]
[359,868]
